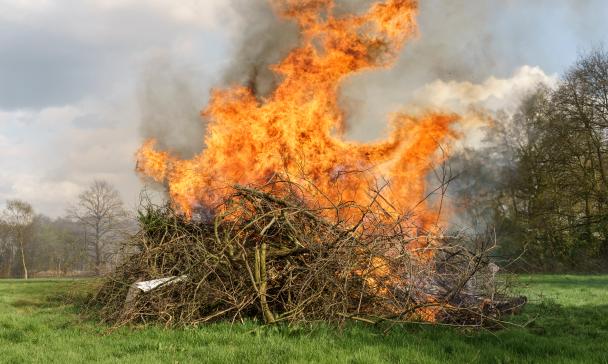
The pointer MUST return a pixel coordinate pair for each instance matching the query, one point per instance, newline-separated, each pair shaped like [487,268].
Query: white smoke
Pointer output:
[494,94]
[479,103]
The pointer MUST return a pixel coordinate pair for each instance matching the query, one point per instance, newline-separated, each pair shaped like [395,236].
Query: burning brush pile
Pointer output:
[281,259]
[281,219]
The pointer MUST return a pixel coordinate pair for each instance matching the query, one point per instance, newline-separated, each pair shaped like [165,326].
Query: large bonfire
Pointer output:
[281,218]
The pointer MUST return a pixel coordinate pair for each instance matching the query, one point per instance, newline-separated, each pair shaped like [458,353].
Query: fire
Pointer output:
[299,129]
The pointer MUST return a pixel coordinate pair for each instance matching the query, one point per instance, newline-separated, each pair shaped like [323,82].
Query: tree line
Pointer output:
[541,179]
[84,242]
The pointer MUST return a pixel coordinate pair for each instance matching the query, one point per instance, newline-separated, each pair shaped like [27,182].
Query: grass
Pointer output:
[571,326]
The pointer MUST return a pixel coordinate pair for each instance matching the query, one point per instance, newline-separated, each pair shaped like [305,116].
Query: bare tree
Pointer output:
[18,217]
[8,250]
[100,210]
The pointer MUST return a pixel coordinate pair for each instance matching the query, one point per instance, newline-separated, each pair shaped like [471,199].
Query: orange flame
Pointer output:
[298,129]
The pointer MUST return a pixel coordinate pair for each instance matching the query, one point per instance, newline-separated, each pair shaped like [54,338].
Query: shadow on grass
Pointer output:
[72,296]
[28,303]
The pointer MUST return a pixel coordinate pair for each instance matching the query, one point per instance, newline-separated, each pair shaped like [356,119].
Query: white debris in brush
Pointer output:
[147,286]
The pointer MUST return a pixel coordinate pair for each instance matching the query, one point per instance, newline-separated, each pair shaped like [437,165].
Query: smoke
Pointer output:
[171,99]
[261,40]
[493,94]
[477,103]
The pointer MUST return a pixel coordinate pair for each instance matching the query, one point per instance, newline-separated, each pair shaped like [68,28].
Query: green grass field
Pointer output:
[571,326]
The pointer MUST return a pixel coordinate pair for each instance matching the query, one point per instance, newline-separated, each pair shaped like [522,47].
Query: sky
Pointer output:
[80,80]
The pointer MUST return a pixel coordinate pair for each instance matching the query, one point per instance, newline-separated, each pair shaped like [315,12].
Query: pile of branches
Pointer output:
[275,259]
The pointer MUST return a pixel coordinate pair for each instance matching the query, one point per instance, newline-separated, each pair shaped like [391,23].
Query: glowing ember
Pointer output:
[297,130]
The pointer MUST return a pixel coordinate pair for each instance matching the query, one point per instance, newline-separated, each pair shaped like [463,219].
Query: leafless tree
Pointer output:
[18,217]
[100,210]
[7,250]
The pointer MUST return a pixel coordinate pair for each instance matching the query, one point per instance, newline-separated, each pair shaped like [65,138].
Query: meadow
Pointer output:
[567,316]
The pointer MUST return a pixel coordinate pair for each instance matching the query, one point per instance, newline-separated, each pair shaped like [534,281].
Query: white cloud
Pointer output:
[23,10]
[25,4]
[49,197]
[203,13]
[20,116]
[47,117]
[68,97]
[192,12]
[49,156]
[58,53]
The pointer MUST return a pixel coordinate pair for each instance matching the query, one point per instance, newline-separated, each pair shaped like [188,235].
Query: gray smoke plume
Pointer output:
[262,40]
[171,99]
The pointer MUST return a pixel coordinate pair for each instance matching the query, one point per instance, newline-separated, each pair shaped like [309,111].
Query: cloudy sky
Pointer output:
[78,77]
